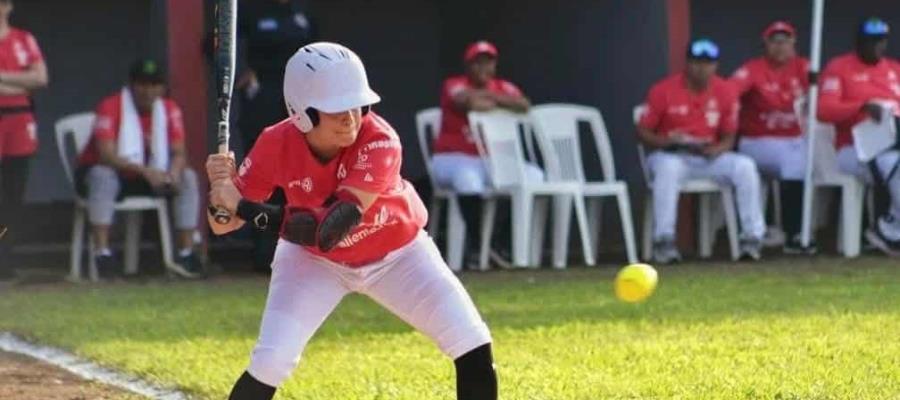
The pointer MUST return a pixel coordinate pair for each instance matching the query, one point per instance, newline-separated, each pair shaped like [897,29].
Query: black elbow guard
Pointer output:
[337,221]
[263,217]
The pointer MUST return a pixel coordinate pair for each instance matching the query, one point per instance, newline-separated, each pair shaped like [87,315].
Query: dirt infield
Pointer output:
[24,378]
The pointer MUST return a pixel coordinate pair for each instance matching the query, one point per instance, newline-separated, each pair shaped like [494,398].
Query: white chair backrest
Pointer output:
[428,125]
[497,135]
[557,126]
[80,128]
[636,115]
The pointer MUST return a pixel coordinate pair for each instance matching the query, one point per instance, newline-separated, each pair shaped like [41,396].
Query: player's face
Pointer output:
[780,48]
[6,8]
[145,93]
[701,71]
[482,69]
[338,129]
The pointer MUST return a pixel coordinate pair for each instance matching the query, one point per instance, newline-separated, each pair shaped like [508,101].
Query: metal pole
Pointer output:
[811,122]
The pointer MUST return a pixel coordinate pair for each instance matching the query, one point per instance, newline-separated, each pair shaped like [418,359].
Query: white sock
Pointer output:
[185,252]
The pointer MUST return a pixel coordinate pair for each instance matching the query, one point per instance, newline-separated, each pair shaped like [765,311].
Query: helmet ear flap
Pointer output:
[313,115]
[365,110]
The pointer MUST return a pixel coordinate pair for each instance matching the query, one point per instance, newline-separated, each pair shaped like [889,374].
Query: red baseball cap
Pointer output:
[779,27]
[478,48]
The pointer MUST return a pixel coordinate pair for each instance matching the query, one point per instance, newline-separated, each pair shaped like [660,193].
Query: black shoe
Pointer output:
[191,264]
[107,267]
[795,246]
[665,251]
[877,239]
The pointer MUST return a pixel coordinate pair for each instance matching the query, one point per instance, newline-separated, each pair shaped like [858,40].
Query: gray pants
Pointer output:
[104,187]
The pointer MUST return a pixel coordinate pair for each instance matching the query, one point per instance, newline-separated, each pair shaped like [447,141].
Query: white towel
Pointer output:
[131,134]
[872,138]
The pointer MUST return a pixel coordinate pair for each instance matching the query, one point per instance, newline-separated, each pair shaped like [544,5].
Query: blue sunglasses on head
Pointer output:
[875,27]
[705,49]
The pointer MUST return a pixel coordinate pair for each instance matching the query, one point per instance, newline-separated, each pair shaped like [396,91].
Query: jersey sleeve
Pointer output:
[175,122]
[742,80]
[654,108]
[832,105]
[510,89]
[106,122]
[34,51]
[376,165]
[256,175]
[731,108]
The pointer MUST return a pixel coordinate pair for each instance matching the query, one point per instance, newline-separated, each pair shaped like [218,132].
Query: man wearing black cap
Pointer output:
[770,131]
[858,86]
[138,148]
[690,126]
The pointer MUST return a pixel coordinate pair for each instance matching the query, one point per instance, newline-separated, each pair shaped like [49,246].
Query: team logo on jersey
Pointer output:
[21,54]
[831,85]
[245,166]
[306,184]
[680,110]
[368,177]
[712,118]
[362,162]
[342,171]
[382,217]
[860,78]
[712,104]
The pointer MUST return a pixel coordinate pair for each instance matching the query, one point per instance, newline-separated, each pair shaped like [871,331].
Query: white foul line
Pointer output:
[86,369]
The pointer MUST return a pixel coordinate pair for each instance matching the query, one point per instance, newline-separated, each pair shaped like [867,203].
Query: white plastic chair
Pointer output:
[557,132]
[497,134]
[705,189]
[827,175]
[428,123]
[79,127]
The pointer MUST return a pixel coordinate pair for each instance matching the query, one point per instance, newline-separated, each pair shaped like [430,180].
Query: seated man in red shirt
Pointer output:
[853,87]
[690,126]
[138,149]
[770,131]
[456,162]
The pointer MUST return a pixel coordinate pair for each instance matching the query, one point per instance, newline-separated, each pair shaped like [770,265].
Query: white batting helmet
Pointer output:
[324,77]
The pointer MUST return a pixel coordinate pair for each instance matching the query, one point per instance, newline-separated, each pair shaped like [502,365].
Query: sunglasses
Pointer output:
[875,27]
[704,49]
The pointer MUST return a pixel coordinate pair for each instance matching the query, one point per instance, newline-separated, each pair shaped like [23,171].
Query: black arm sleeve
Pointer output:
[263,217]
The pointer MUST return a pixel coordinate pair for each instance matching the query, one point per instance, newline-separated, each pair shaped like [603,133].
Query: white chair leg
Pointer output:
[562,221]
[704,226]
[77,245]
[851,218]
[581,217]
[539,229]
[777,205]
[731,223]
[489,215]
[132,241]
[594,215]
[522,204]
[627,226]
[456,235]
[647,234]
[434,216]
[93,274]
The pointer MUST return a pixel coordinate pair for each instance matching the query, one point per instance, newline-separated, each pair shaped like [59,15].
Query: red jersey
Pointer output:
[848,84]
[767,96]
[282,158]
[455,135]
[672,107]
[109,116]
[18,52]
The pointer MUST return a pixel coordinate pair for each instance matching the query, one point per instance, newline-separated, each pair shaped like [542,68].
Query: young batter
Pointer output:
[351,224]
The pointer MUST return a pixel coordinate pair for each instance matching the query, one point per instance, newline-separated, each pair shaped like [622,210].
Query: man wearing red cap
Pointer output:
[855,87]
[456,162]
[770,131]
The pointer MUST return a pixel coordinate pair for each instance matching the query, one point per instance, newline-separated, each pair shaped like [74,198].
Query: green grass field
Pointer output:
[791,329]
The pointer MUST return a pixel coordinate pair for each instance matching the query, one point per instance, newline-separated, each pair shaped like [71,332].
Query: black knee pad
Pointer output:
[475,375]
